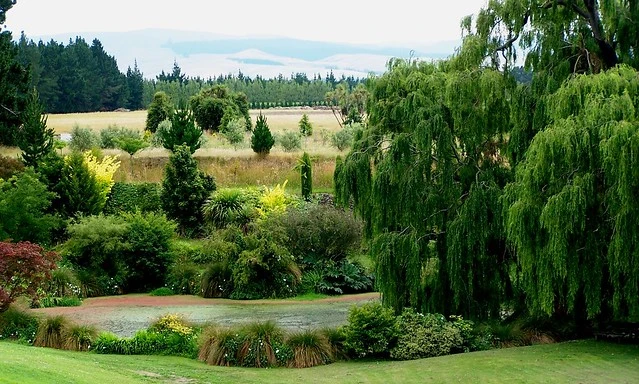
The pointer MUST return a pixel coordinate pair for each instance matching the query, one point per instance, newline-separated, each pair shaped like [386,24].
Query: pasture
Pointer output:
[572,362]
[232,167]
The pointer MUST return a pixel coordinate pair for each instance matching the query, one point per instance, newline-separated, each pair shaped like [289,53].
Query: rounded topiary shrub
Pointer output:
[425,335]
[371,330]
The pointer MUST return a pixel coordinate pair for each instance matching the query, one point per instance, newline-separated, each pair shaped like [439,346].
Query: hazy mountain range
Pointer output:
[206,54]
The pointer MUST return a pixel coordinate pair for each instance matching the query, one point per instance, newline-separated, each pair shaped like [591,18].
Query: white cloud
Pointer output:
[355,21]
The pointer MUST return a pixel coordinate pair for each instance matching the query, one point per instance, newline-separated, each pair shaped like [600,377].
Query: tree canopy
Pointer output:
[427,176]
[481,194]
[559,36]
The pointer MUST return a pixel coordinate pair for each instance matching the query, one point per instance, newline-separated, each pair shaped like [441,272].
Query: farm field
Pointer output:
[572,362]
[232,167]
[124,315]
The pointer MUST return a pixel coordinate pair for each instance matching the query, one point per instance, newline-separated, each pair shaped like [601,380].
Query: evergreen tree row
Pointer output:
[79,77]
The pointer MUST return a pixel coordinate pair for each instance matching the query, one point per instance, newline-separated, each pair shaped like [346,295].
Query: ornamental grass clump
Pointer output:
[220,346]
[52,332]
[310,349]
[261,345]
[79,337]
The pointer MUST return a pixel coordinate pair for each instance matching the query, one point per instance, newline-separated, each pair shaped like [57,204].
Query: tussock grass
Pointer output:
[218,346]
[79,337]
[51,332]
[310,349]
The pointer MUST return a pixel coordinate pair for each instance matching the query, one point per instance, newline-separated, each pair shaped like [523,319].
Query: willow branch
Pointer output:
[551,3]
[512,39]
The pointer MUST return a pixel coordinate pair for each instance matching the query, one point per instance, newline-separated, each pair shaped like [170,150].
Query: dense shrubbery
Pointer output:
[19,325]
[317,233]
[424,336]
[169,335]
[120,253]
[290,141]
[113,135]
[264,269]
[24,206]
[371,330]
[130,197]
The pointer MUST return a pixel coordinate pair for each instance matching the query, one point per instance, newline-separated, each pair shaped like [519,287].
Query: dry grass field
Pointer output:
[232,167]
[279,120]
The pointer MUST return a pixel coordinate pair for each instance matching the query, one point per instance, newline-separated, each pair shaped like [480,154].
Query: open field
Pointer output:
[279,120]
[124,315]
[573,362]
[232,167]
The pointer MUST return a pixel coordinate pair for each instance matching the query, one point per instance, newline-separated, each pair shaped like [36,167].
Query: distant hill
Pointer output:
[206,54]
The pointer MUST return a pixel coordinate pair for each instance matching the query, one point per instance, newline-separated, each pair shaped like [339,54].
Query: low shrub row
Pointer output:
[372,331]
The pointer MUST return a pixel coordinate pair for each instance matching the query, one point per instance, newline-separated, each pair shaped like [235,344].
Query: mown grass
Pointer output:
[573,362]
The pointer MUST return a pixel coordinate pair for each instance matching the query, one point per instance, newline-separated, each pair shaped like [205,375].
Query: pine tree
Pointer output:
[306,128]
[184,190]
[183,131]
[135,87]
[78,188]
[34,138]
[159,110]
[262,140]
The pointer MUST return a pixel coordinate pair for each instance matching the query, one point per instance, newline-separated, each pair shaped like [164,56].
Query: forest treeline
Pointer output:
[83,77]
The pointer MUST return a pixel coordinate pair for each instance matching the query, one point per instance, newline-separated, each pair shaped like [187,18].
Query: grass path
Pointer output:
[573,362]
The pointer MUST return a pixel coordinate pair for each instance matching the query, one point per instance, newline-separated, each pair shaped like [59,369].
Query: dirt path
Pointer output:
[124,315]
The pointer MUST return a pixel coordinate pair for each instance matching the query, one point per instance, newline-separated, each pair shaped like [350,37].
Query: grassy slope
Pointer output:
[575,362]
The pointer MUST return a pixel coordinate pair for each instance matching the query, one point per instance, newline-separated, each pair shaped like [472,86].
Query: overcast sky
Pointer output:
[352,21]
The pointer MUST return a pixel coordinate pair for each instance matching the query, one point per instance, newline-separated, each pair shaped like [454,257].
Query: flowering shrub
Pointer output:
[172,323]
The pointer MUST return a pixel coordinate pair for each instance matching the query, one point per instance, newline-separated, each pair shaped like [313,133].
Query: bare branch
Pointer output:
[8,110]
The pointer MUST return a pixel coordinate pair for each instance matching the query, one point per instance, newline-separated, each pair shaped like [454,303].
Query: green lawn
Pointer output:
[573,362]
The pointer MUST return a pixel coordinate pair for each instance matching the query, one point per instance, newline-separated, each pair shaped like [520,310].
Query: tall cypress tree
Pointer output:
[14,80]
[35,139]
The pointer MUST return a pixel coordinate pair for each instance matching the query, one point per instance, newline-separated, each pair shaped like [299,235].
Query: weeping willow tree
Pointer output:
[572,213]
[427,175]
[560,37]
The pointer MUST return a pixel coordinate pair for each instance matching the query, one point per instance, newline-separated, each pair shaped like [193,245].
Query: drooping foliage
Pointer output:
[558,36]
[572,212]
[426,176]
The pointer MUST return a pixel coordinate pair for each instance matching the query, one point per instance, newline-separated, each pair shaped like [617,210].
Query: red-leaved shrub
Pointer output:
[24,267]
